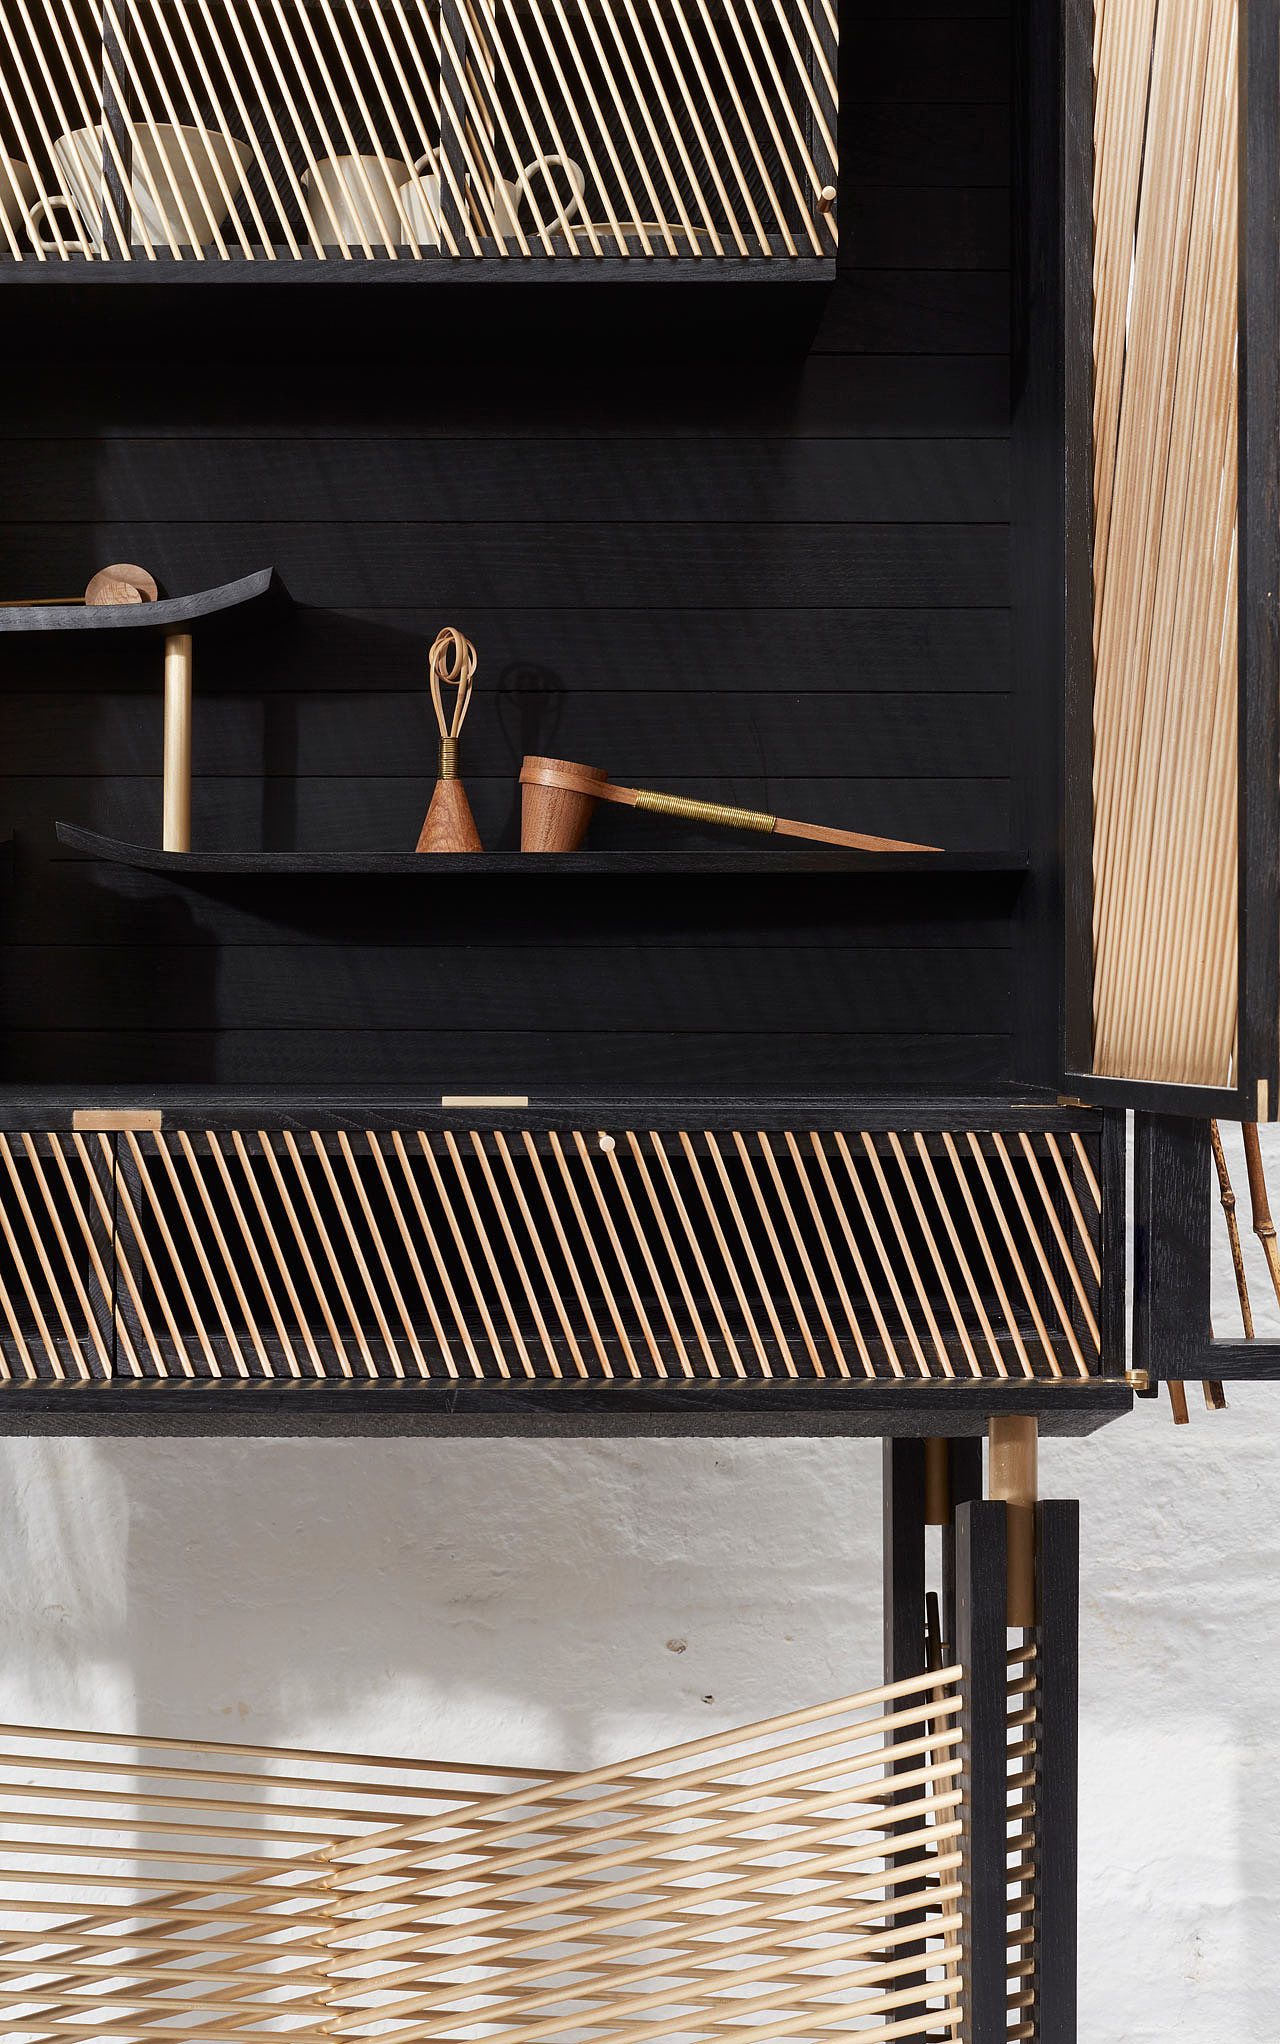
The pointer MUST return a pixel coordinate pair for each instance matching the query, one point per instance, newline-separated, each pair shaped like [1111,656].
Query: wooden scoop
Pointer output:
[559,796]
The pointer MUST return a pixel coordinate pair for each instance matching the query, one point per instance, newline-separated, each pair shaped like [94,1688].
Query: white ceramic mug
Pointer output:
[17,189]
[360,192]
[421,200]
[175,171]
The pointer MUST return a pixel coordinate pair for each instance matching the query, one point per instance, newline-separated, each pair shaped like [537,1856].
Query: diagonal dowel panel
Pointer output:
[267,131]
[470,1255]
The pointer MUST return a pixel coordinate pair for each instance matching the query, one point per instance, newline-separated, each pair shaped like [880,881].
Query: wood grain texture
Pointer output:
[175,481]
[553,1410]
[882,396]
[738,563]
[377,735]
[535,658]
[575,1062]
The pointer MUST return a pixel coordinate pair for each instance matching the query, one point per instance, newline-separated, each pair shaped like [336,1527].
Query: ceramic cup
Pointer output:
[421,200]
[176,171]
[17,189]
[361,201]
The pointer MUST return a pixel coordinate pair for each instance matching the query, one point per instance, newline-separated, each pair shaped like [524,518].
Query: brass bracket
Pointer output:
[92,1120]
[1138,1380]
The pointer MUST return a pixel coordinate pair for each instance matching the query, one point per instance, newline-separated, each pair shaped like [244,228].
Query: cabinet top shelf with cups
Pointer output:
[143,134]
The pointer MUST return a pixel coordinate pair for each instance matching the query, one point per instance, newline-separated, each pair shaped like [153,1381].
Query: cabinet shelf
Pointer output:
[252,597]
[818,859]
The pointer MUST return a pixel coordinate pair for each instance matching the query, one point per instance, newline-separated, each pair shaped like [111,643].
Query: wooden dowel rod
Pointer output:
[1012,1476]
[176,832]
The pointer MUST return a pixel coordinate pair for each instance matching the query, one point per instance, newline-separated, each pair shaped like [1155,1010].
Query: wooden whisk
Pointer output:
[449,825]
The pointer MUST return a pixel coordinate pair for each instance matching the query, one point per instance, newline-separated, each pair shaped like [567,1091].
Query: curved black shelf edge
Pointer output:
[873,1409]
[814,859]
[252,596]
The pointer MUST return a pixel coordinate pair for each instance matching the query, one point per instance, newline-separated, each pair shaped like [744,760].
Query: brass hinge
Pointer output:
[1138,1380]
[484,1099]
[89,1120]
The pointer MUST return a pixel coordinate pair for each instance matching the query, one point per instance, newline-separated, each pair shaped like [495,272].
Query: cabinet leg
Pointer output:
[177,742]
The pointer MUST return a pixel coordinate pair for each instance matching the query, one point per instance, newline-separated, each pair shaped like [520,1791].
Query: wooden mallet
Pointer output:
[560,795]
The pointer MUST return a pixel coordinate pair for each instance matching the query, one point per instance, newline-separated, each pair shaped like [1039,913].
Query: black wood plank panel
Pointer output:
[897,57]
[579,1064]
[411,479]
[944,145]
[554,652]
[645,735]
[916,312]
[96,903]
[882,396]
[960,230]
[358,988]
[737,564]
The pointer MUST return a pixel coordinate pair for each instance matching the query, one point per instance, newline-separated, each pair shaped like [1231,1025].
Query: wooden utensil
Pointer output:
[121,583]
[560,795]
[449,825]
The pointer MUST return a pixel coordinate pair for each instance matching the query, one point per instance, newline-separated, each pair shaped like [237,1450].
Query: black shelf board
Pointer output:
[251,597]
[434,269]
[383,1108]
[531,308]
[750,859]
[850,1408]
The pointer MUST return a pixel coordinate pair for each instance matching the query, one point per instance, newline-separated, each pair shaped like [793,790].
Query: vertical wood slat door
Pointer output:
[1185,1001]
[1165,547]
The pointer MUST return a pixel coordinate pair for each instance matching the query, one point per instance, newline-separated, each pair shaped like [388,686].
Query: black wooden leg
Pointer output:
[965,1465]
[904,1632]
[981,1649]
[1058,1575]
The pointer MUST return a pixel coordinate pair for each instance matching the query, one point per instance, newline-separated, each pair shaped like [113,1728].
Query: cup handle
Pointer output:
[45,204]
[424,163]
[575,173]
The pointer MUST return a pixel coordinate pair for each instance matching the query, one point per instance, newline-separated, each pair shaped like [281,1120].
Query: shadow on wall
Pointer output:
[550,1603]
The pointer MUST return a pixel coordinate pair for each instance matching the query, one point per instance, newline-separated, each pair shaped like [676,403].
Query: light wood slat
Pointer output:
[487,1250]
[1165,594]
[672,1254]
[751,1886]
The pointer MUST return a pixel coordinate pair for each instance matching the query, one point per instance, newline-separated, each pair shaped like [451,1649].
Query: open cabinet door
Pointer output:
[1173,559]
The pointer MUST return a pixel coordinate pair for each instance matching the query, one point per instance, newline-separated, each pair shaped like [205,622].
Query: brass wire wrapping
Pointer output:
[692,811]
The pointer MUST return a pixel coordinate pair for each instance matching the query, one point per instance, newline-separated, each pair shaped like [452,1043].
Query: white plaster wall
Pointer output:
[568,1602]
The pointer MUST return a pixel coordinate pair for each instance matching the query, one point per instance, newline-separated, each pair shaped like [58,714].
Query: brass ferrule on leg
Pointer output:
[937,1483]
[1014,1478]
